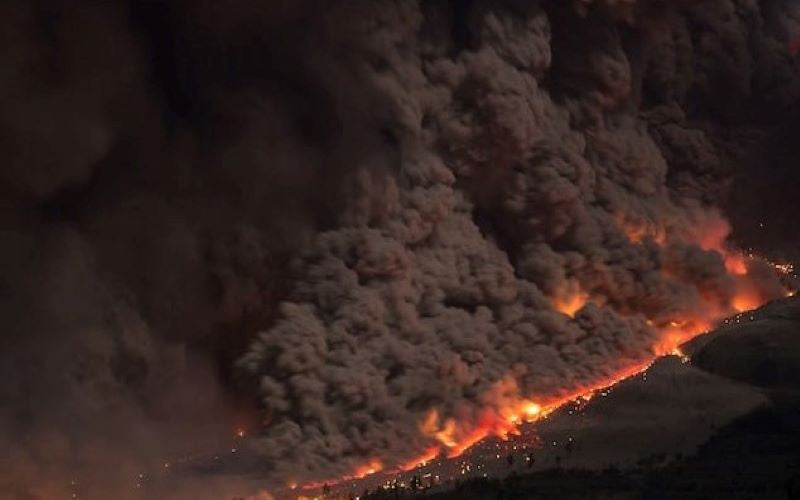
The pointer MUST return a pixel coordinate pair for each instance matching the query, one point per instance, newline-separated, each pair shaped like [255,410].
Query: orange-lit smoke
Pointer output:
[501,421]
[571,303]
[501,417]
[570,300]
[710,232]
[638,231]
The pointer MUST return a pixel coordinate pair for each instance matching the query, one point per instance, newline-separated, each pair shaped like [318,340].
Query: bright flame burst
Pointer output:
[571,303]
[452,438]
[570,299]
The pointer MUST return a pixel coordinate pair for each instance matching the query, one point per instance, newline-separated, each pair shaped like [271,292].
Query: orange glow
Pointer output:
[372,467]
[532,410]
[503,409]
[571,303]
[362,471]
[745,301]
[678,333]
[504,421]
[736,264]
[711,233]
[473,437]
[445,434]
[639,230]
[430,454]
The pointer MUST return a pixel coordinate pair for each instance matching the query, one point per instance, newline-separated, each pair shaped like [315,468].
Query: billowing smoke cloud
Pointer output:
[535,182]
[483,201]
[152,192]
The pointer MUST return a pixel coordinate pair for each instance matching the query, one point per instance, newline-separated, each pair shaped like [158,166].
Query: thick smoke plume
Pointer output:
[485,203]
[539,228]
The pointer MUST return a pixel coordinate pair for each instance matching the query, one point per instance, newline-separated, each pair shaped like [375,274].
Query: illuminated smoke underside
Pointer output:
[518,250]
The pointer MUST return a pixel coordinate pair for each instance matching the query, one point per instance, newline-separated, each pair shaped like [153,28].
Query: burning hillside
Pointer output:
[525,247]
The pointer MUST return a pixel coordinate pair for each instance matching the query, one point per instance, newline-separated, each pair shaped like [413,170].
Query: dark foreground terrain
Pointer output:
[757,456]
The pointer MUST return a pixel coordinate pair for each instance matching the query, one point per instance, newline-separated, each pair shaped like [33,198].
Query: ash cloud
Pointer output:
[531,141]
[439,174]
[153,190]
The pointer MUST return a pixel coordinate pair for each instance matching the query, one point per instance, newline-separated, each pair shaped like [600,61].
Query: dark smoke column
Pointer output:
[541,218]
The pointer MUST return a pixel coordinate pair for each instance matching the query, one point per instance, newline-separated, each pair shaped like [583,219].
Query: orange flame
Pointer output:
[736,263]
[372,467]
[571,304]
[503,414]
[504,421]
[429,454]
[362,471]
[637,231]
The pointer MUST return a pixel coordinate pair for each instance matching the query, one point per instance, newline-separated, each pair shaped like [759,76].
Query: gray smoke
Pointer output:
[152,195]
[437,173]
[524,149]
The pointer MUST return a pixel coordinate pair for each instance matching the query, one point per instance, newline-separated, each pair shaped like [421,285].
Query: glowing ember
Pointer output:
[678,333]
[681,355]
[477,435]
[745,302]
